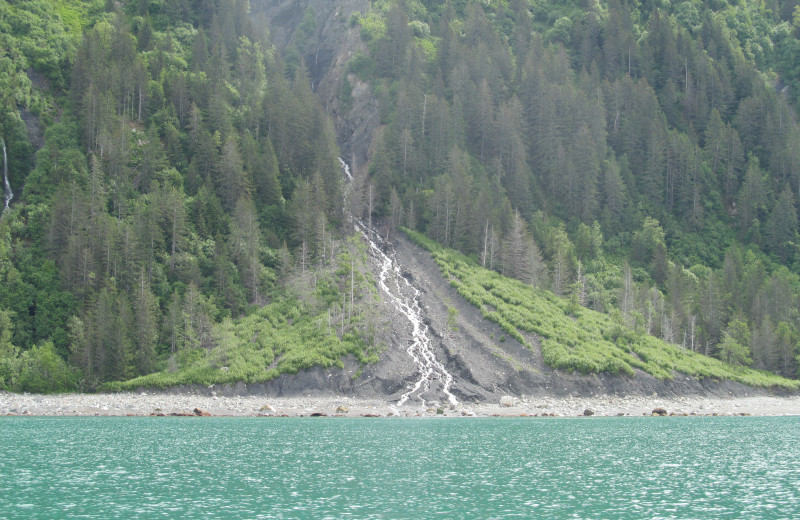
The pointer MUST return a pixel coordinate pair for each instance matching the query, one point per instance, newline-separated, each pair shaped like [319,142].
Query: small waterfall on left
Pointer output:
[7,185]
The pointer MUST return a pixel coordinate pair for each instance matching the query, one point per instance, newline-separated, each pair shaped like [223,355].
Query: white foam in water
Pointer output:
[346,169]
[7,185]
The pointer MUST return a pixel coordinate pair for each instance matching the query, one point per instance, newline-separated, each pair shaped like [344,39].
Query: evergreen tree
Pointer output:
[782,230]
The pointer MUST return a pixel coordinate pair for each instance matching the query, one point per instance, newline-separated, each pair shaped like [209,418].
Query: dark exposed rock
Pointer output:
[33,127]
[201,413]
[588,413]
[659,411]
[483,368]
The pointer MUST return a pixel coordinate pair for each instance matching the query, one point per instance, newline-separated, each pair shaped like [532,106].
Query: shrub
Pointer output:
[9,371]
[576,340]
[362,66]
[42,370]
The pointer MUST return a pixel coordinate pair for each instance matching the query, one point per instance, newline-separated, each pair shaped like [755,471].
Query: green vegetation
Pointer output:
[185,187]
[452,317]
[175,178]
[636,158]
[583,341]
[318,328]
[280,338]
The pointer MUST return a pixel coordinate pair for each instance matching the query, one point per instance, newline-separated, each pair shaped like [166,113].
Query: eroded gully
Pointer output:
[432,380]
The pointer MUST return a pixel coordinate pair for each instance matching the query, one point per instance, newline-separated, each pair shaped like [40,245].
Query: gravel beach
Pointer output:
[157,404]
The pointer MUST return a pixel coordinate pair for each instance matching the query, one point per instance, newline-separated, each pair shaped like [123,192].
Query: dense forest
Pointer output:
[642,157]
[185,178]
[178,202]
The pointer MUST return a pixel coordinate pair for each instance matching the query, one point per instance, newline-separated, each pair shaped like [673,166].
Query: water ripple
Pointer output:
[399,468]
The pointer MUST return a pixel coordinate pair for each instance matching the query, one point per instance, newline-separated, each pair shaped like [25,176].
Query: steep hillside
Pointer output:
[194,199]
[319,34]
[184,210]
[641,155]
[485,356]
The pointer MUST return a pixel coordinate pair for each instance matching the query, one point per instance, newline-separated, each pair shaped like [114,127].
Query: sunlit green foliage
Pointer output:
[182,183]
[280,338]
[44,35]
[579,340]
[42,370]
[173,175]
[644,145]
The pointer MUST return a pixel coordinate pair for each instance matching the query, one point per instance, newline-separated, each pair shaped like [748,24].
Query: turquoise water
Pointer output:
[305,468]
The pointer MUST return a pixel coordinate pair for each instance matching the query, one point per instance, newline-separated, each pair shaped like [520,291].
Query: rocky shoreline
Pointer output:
[166,404]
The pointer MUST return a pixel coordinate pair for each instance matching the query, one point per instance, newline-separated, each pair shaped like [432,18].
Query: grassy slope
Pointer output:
[574,338]
[290,334]
[280,338]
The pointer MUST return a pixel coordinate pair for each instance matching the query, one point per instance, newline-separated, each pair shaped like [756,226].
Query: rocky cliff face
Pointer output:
[326,46]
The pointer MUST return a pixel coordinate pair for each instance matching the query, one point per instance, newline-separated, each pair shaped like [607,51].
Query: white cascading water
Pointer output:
[405,299]
[346,169]
[7,185]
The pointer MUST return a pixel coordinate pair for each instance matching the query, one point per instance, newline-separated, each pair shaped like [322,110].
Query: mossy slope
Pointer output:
[574,338]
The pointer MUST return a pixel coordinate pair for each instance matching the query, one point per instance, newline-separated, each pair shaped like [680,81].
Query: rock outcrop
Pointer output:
[326,53]
[507,401]
[484,368]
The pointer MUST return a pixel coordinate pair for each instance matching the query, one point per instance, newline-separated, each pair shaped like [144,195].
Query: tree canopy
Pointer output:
[178,200]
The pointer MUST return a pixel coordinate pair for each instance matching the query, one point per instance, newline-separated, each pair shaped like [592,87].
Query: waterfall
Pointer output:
[7,185]
[405,298]
[346,169]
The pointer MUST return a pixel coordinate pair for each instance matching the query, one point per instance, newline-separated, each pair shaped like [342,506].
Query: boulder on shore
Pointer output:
[588,413]
[507,401]
[659,411]
[201,413]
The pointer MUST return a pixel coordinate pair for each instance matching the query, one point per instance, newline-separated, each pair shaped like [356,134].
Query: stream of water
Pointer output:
[433,379]
[7,185]
[346,169]
[405,298]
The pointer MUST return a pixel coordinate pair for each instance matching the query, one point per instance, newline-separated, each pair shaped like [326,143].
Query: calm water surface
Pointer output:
[305,468]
